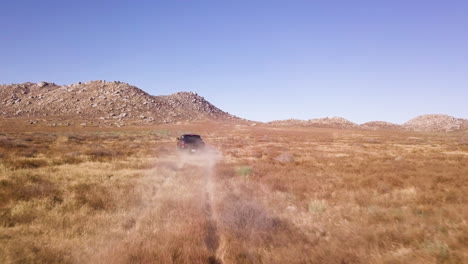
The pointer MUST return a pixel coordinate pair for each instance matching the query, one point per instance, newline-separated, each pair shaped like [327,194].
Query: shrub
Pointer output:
[244,170]
[25,188]
[224,170]
[92,195]
[28,153]
[100,154]
[317,206]
[69,158]
[26,163]
[11,143]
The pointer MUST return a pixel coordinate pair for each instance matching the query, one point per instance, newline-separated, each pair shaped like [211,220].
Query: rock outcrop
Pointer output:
[377,125]
[333,122]
[436,122]
[428,123]
[103,101]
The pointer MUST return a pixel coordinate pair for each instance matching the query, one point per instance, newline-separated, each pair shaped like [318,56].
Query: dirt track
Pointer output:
[176,221]
[194,215]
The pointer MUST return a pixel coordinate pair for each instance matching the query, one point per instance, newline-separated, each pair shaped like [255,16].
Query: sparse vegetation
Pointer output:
[244,170]
[124,195]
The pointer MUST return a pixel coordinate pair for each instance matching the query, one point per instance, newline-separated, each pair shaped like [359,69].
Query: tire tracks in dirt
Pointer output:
[204,218]
[212,237]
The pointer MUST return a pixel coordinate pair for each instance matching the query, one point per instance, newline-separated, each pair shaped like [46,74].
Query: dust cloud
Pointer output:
[177,201]
[189,214]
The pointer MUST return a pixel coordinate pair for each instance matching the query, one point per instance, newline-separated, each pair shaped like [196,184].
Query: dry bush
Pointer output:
[26,186]
[94,196]
[100,154]
[28,163]
[28,251]
[28,153]
[246,219]
[247,226]
[8,142]
[77,138]
[136,164]
[75,157]
[21,191]
[224,170]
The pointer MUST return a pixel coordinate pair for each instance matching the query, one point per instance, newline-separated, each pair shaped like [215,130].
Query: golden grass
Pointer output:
[265,195]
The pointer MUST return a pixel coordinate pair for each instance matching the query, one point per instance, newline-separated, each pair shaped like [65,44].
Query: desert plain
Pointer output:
[258,194]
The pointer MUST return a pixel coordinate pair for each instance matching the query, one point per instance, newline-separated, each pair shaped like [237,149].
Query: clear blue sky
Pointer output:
[260,60]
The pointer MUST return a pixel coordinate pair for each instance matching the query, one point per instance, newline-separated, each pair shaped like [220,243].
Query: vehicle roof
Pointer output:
[190,135]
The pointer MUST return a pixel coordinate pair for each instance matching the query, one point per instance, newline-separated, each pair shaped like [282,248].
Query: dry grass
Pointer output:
[295,195]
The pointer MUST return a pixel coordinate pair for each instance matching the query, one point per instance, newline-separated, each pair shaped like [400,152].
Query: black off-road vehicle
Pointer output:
[190,142]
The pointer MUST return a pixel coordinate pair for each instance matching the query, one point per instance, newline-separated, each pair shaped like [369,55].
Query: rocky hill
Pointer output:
[376,125]
[437,122]
[103,101]
[289,122]
[333,122]
[429,123]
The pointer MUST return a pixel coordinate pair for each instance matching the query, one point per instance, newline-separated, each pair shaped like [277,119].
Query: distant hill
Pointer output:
[429,123]
[333,122]
[376,125]
[104,101]
[120,102]
[289,122]
[436,122]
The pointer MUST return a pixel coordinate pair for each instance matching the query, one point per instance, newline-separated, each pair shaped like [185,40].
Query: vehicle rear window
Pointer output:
[191,138]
